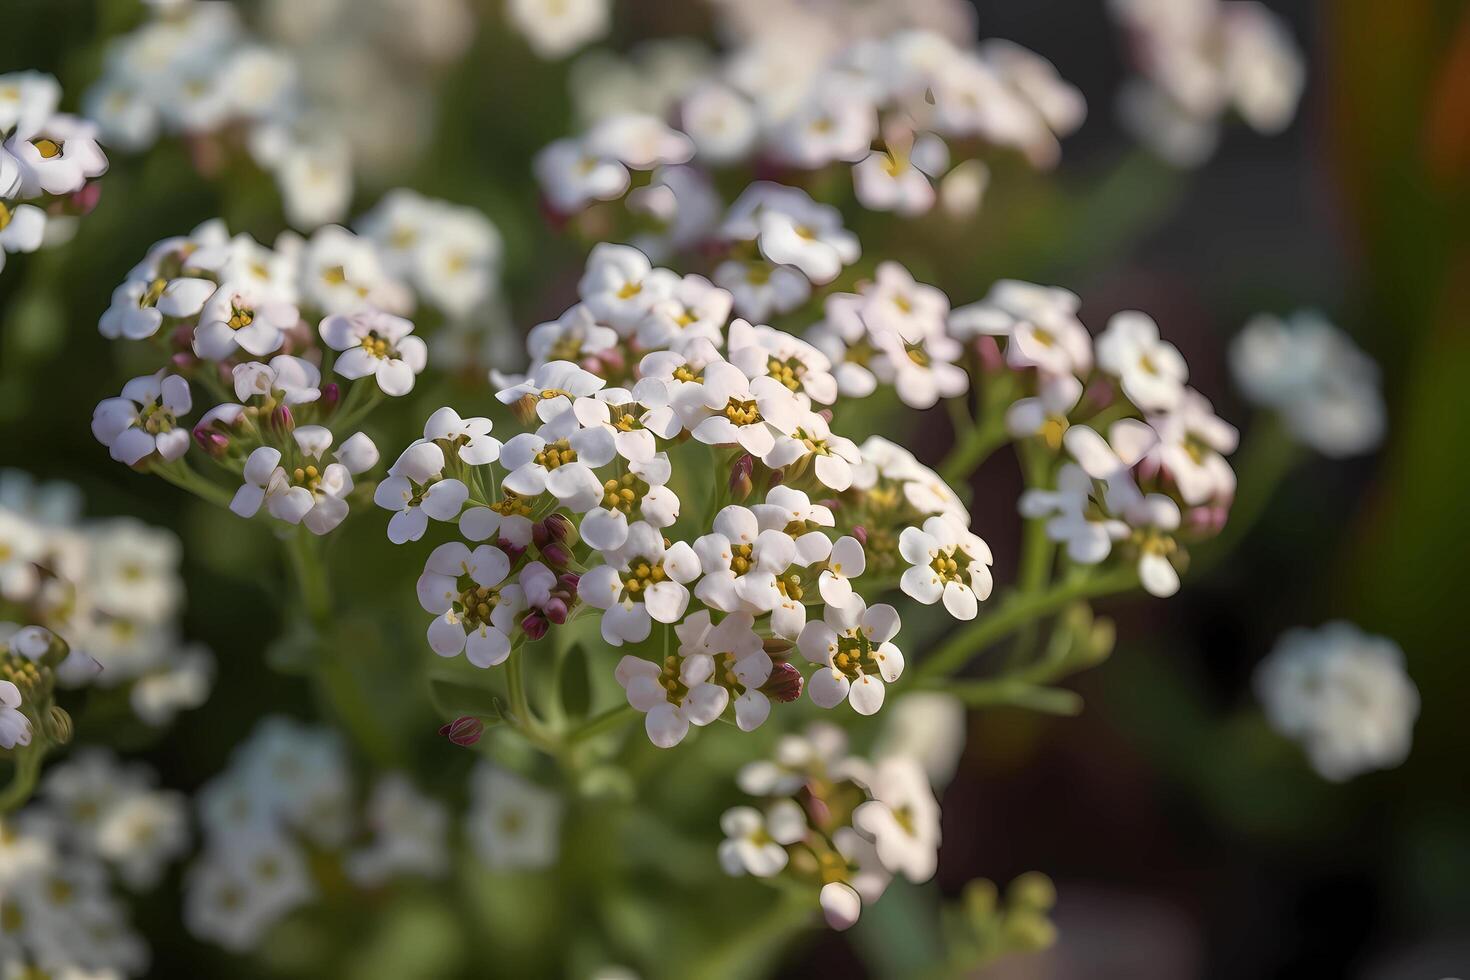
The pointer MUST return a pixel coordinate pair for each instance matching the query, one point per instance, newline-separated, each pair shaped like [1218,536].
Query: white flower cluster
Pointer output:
[1325,389]
[285,813]
[921,99]
[834,820]
[95,820]
[235,315]
[1344,695]
[512,823]
[588,509]
[48,164]
[112,589]
[1133,485]
[1198,60]
[306,105]
[556,28]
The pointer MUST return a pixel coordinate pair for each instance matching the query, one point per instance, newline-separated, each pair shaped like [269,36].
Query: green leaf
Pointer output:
[453,699]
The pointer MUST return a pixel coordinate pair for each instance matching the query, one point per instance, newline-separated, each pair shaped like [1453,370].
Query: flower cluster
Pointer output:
[303,105]
[587,509]
[95,820]
[284,818]
[1344,695]
[235,317]
[833,820]
[1198,60]
[112,588]
[897,110]
[49,162]
[1315,378]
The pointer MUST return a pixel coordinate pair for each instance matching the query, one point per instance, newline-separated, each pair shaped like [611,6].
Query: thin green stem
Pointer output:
[1015,612]
[181,475]
[604,721]
[23,778]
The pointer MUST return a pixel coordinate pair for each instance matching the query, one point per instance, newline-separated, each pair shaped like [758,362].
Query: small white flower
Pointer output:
[145,419]
[1151,370]
[475,607]
[556,28]
[415,490]
[286,378]
[741,562]
[1343,694]
[507,521]
[15,727]
[554,385]
[847,561]
[139,306]
[813,240]
[902,819]
[832,457]
[638,141]
[58,158]
[572,177]
[755,843]
[835,121]
[1045,414]
[640,494]
[513,824]
[410,832]
[760,289]
[744,412]
[559,458]
[639,582]
[470,438]
[574,336]
[1191,448]
[379,344]
[693,308]
[244,317]
[721,122]
[1039,322]
[797,365]
[852,647]
[900,180]
[1074,518]
[620,286]
[949,563]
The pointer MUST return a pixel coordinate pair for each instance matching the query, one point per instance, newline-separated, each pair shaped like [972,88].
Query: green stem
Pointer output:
[180,475]
[601,722]
[1015,612]
[973,448]
[23,778]
[1009,691]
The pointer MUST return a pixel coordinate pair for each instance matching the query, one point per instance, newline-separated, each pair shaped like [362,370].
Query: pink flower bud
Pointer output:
[558,527]
[568,582]
[464,730]
[556,555]
[784,684]
[331,396]
[555,610]
[213,443]
[282,420]
[535,625]
[83,201]
[861,533]
[991,359]
[741,485]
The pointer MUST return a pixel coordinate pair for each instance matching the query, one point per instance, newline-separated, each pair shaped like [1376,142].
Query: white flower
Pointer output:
[286,378]
[1326,389]
[834,122]
[1074,520]
[409,834]
[1191,449]
[852,647]
[899,180]
[416,490]
[559,458]
[476,610]
[620,286]
[234,895]
[556,28]
[1152,371]
[1155,519]
[841,905]
[641,494]
[145,419]
[1342,693]
[553,385]
[742,562]
[242,316]
[846,562]
[744,412]
[314,174]
[813,240]
[57,158]
[342,273]
[755,843]
[22,228]
[902,819]
[508,521]
[761,289]
[572,177]
[1040,323]
[140,305]
[640,581]
[15,727]
[470,438]
[376,343]
[896,303]
[513,824]
[832,457]
[921,372]
[638,141]
[1046,413]
[693,308]
[739,662]
[947,562]
[574,336]
[721,122]
[797,365]
[22,545]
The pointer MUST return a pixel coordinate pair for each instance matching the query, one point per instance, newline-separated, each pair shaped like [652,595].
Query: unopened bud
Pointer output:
[282,420]
[861,533]
[464,730]
[991,359]
[557,555]
[524,409]
[212,442]
[559,528]
[535,625]
[1033,890]
[784,684]
[555,610]
[331,396]
[83,201]
[568,582]
[776,646]
[58,725]
[1098,396]
[183,361]
[778,477]
[826,413]
[741,485]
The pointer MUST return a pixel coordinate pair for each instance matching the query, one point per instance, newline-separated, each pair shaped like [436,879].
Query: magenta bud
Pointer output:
[778,477]
[512,551]
[464,730]
[826,413]
[610,361]
[569,582]
[183,361]
[83,201]
[558,527]
[557,555]
[213,443]
[330,397]
[991,359]
[535,625]
[861,533]
[816,808]
[282,419]
[784,684]
[540,534]
[555,610]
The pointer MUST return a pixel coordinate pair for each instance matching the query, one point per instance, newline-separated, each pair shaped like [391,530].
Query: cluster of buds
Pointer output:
[28,662]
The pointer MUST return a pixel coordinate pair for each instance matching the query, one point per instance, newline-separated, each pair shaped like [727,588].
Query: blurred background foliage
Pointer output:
[1185,838]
